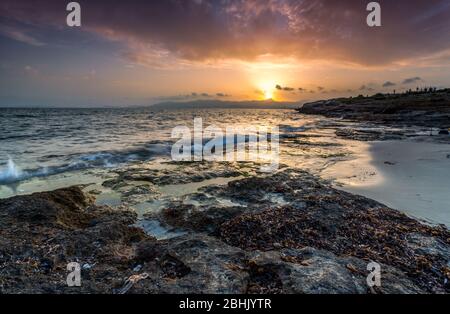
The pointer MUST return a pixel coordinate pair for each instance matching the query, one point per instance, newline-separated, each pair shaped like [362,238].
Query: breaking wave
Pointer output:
[11,173]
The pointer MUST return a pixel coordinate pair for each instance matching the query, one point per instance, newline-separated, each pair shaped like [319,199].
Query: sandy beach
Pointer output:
[409,175]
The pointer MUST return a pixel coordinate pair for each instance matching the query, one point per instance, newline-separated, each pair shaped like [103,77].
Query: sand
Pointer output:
[412,176]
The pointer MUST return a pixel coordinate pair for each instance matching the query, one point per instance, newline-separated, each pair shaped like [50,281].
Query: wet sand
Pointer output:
[412,176]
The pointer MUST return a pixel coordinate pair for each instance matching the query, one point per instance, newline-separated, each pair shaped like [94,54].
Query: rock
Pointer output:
[63,226]
[429,245]
[199,220]
[315,271]
[335,221]
[173,267]
[398,110]
[197,264]
[288,232]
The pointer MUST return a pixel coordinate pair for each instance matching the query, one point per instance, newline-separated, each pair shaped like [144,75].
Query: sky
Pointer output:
[136,52]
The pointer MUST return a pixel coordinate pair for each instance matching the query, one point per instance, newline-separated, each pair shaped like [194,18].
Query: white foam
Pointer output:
[11,172]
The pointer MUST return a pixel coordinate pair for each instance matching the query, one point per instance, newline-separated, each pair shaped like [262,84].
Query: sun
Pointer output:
[267,89]
[268,94]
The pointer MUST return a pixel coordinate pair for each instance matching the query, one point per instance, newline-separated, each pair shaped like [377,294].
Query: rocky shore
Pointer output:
[430,109]
[288,232]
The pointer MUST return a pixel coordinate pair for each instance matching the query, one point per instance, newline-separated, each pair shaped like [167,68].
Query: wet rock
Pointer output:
[61,207]
[368,135]
[197,219]
[132,195]
[185,172]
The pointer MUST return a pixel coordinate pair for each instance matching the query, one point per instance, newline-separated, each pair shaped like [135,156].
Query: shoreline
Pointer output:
[409,175]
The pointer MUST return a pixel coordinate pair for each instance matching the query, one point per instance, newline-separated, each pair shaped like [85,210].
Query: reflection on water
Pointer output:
[45,149]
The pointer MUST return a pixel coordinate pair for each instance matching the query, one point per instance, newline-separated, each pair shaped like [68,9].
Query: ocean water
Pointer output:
[45,149]
[44,142]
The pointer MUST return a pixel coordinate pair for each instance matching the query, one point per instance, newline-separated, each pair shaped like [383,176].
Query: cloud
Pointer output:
[388,84]
[208,30]
[222,95]
[19,35]
[302,90]
[366,88]
[320,88]
[286,89]
[412,80]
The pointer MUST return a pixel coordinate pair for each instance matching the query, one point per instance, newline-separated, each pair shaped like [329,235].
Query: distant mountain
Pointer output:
[207,104]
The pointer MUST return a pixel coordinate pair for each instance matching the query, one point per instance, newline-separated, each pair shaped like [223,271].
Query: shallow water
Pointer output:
[45,149]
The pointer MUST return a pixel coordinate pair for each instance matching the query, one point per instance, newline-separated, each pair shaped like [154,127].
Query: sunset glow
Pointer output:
[153,52]
[267,89]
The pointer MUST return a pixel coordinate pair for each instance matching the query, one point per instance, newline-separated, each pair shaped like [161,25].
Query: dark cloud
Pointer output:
[209,29]
[301,90]
[286,89]
[388,84]
[320,88]
[412,80]
[366,88]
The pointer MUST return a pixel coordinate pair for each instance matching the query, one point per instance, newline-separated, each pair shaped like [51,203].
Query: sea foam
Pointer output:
[10,173]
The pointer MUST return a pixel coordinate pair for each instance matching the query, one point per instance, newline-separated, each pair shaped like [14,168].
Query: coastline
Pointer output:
[204,227]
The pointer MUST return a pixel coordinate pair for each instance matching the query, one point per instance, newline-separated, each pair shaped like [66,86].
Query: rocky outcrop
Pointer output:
[294,210]
[425,109]
[283,233]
